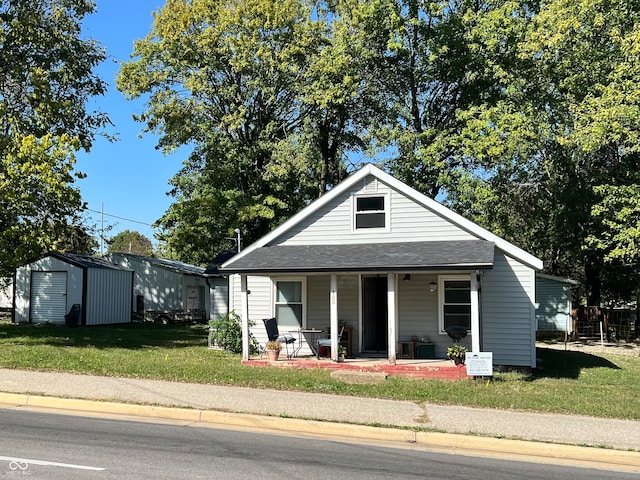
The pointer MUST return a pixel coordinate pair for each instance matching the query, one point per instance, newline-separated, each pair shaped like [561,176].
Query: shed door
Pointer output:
[195,298]
[48,297]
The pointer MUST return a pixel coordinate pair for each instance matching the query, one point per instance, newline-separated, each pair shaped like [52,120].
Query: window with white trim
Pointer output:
[455,302]
[289,304]
[370,211]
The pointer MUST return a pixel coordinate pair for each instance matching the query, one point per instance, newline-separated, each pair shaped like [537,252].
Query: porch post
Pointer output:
[475,313]
[244,306]
[333,317]
[391,317]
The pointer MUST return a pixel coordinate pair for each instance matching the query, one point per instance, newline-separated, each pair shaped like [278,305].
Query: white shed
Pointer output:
[553,303]
[47,289]
[6,293]
[165,285]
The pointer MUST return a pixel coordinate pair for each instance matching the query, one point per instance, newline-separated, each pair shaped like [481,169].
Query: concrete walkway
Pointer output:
[222,404]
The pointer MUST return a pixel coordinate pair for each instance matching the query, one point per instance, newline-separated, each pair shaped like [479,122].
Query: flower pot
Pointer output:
[458,360]
[273,355]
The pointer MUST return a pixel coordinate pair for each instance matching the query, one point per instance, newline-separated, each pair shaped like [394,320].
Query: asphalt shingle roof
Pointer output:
[405,256]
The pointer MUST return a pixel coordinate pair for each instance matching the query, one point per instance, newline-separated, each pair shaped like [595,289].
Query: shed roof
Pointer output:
[86,261]
[174,265]
[405,256]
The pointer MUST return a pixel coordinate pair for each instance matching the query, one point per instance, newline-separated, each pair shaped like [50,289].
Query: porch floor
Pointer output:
[440,369]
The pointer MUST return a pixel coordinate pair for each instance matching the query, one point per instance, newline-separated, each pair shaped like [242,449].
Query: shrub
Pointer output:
[227,334]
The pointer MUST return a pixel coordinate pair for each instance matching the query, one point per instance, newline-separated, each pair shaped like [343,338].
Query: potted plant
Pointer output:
[273,349]
[342,352]
[457,353]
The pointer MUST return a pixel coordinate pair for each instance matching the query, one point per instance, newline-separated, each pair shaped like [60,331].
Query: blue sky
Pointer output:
[128,177]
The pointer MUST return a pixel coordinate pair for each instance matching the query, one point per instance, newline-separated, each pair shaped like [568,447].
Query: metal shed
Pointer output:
[47,289]
[166,287]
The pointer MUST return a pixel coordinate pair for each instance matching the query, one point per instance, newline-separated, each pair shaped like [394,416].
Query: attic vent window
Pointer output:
[371,212]
[370,185]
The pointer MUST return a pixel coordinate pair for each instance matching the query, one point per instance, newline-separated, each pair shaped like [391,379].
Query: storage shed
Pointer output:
[47,289]
[162,285]
[553,303]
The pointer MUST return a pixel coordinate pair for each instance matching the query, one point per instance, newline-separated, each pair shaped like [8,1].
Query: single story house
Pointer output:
[391,265]
[165,285]
[47,289]
[554,303]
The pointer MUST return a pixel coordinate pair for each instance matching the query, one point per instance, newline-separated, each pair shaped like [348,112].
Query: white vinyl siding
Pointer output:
[418,311]
[318,301]
[508,326]
[260,303]
[219,297]
[408,221]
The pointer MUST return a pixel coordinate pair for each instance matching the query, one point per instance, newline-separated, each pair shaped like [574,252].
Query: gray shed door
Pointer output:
[48,296]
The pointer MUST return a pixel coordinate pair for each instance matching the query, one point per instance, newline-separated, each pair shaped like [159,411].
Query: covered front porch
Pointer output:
[381,316]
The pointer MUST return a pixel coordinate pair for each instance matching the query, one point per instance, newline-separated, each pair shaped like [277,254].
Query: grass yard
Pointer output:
[569,382]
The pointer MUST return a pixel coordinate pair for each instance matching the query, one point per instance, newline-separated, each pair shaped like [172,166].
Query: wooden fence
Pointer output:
[616,322]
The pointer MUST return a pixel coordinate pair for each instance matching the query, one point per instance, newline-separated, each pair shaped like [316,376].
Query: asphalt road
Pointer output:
[74,447]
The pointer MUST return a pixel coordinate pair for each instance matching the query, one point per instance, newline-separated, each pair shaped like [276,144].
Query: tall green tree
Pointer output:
[563,122]
[231,79]
[45,81]
[618,212]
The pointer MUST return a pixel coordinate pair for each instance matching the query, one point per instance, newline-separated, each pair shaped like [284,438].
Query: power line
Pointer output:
[118,217]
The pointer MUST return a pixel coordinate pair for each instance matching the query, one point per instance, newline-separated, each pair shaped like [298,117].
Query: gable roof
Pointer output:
[344,186]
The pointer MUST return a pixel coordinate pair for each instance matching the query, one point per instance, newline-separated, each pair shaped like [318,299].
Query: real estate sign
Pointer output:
[479,364]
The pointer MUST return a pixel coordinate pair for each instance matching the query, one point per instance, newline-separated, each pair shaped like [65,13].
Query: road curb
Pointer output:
[451,443]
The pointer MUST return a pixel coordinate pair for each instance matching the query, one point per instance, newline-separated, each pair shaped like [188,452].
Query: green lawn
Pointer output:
[569,382]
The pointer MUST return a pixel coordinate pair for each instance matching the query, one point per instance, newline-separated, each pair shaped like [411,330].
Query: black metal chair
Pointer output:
[326,342]
[271,325]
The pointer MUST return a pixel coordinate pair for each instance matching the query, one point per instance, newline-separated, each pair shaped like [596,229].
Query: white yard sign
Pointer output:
[479,364]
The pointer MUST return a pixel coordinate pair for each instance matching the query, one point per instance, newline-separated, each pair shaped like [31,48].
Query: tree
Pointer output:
[45,81]
[618,211]
[228,78]
[129,241]
[563,121]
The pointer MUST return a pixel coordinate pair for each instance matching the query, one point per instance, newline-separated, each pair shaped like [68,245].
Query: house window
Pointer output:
[455,303]
[289,304]
[371,211]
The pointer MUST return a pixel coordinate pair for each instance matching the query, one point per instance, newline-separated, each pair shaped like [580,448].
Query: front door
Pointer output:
[374,314]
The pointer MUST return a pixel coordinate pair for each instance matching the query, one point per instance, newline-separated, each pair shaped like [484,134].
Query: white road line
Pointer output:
[22,463]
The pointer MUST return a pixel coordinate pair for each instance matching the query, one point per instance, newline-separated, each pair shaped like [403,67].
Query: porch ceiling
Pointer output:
[373,257]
